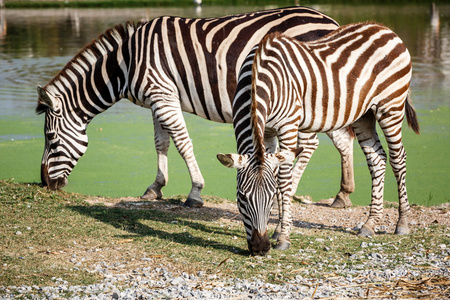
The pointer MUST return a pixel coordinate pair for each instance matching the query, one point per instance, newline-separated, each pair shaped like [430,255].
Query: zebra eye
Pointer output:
[51,135]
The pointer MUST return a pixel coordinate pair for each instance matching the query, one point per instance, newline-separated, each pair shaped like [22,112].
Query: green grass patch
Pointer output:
[121,160]
[36,228]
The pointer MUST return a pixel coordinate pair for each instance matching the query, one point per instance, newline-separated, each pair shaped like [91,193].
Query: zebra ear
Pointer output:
[233,160]
[45,99]
[286,156]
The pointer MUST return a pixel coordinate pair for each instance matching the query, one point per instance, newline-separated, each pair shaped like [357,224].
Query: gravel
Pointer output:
[370,273]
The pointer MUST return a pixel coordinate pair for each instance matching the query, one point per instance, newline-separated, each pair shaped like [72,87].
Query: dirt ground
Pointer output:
[310,215]
[321,215]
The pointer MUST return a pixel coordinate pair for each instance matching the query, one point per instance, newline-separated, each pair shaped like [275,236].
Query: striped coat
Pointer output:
[358,75]
[170,65]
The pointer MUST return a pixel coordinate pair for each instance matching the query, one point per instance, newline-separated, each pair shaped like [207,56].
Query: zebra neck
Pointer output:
[95,79]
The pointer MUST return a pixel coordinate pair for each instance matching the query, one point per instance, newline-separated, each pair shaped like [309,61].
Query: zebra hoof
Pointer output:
[193,203]
[275,235]
[366,232]
[151,195]
[282,245]
[402,230]
[341,201]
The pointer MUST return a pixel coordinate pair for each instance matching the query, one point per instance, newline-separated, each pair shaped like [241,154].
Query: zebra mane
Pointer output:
[106,43]
[258,109]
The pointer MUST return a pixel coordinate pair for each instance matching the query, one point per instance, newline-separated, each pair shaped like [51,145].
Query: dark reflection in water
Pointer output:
[60,32]
[36,44]
[425,31]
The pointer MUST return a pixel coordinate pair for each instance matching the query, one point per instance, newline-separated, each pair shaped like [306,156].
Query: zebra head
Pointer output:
[65,138]
[256,188]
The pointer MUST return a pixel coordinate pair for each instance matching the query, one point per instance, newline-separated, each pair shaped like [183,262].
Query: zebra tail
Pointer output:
[351,132]
[411,116]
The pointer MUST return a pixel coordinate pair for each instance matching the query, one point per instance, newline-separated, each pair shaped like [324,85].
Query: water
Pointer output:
[36,44]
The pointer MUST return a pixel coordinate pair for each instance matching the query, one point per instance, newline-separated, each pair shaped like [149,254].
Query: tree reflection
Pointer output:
[3,26]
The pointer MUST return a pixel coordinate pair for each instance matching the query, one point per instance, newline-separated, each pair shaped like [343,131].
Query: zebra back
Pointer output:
[336,79]
[201,58]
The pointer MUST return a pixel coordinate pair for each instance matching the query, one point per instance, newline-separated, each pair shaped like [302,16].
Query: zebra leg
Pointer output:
[284,185]
[309,142]
[343,141]
[170,117]
[162,142]
[278,197]
[397,158]
[271,143]
[376,161]
[186,149]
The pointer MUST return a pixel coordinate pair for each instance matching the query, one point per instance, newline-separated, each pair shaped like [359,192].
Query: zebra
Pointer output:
[168,64]
[357,75]
[342,139]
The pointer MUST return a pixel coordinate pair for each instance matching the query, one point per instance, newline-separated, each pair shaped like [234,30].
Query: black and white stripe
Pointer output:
[356,76]
[170,65]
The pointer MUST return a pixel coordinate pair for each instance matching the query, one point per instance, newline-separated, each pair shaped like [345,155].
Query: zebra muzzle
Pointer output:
[51,183]
[259,244]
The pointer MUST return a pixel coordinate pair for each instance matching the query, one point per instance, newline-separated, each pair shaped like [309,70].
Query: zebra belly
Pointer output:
[318,127]
[212,113]
[324,120]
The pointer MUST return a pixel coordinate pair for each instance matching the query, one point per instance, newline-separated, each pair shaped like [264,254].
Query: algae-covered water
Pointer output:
[121,160]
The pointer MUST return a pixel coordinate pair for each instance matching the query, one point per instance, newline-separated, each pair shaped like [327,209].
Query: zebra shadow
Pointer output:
[298,223]
[169,220]
[310,225]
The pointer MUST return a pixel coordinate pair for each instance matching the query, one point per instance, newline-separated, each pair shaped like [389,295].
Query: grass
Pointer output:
[46,235]
[36,229]
[121,161]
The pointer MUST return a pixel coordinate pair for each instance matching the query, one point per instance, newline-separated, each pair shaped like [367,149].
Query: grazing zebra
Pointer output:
[169,65]
[356,76]
[342,138]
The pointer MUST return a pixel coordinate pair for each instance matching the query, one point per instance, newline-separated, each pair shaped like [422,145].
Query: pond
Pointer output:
[36,43]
